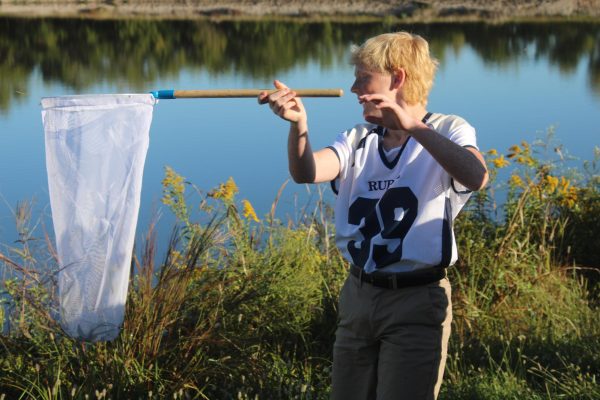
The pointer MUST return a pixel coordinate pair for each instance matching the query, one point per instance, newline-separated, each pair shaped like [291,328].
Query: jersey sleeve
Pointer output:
[462,133]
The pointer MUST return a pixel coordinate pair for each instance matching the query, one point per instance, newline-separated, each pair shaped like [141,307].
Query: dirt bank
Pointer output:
[424,10]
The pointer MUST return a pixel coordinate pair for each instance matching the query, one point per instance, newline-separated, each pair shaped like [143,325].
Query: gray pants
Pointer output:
[391,343]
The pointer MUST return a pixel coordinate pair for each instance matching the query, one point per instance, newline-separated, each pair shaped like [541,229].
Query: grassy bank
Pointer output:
[245,307]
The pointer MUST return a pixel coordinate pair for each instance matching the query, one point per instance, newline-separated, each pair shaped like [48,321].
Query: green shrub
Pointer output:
[244,307]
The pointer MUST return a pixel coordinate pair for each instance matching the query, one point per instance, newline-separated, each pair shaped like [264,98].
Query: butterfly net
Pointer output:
[95,152]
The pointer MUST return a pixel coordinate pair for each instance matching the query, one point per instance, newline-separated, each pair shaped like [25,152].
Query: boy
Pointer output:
[400,180]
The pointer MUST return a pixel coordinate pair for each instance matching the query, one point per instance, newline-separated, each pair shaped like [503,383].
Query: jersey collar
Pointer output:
[380,130]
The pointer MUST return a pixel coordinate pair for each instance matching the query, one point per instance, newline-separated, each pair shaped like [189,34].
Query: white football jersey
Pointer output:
[396,215]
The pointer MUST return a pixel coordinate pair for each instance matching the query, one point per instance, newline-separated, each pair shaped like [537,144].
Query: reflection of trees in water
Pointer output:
[563,44]
[136,53]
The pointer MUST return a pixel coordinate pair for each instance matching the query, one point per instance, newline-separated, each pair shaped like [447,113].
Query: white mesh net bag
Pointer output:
[95,152]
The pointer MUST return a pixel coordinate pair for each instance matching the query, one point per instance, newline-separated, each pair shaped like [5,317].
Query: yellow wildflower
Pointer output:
[564,184]
[551,182]
[493,152]
[500,162]
[225,191]
[515,180]
[514,150]
[525,159]
[569,197]
[173,186]
[567,192]
[248,211]
[174,180]
[522,154]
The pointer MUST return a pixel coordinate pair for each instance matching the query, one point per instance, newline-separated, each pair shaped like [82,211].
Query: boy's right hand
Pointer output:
[284,103]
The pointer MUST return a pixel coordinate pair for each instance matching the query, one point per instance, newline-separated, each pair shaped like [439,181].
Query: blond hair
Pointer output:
[390,52]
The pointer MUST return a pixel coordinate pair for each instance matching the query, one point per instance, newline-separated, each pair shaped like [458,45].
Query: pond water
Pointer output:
[513,82]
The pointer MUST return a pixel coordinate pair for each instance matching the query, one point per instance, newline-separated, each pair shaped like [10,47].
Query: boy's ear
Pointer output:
[398,78]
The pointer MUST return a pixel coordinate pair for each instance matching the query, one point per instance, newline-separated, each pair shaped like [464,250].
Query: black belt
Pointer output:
[399,279]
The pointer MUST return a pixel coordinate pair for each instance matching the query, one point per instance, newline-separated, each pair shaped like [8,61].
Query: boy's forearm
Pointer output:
[300,155]
[458,161]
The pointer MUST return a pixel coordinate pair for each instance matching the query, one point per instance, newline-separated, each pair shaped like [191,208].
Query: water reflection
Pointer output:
[136,53]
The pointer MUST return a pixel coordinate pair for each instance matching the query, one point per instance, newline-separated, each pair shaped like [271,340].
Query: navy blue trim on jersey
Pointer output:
[447,235]
[384,159]
[333,188]
[363,141]
[335,151]
[361,145]
[378,130]
[456,190]
[381,131]
[426,117]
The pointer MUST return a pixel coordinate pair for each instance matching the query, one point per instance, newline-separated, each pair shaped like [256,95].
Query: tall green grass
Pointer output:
[242,307]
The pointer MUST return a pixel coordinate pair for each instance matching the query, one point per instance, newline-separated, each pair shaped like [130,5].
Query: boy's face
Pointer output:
[371,82]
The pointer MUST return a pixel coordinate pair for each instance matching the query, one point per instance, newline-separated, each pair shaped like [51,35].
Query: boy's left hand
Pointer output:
[393,115]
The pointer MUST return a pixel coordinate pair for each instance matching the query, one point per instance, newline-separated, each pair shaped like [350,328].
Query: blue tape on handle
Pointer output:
[164,94]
